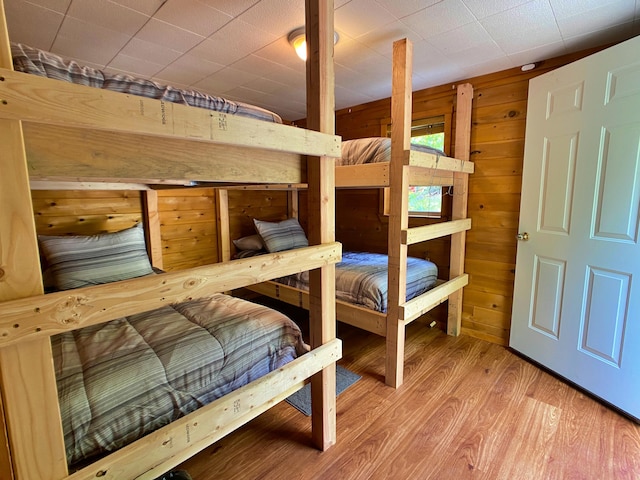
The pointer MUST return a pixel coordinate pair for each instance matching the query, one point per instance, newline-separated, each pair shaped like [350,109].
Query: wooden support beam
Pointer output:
[437,230]
[420,305]
[152,230]
[42,100]
[32,422]
[460,200]
[43,315]
[401,104]
[321,216]
[169,446]
[439,162]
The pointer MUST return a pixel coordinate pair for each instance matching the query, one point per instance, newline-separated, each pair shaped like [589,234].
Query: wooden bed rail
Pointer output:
[169,446]
[53,313]
[53,102]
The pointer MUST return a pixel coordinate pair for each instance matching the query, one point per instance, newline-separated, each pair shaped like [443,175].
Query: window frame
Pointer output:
[420,120]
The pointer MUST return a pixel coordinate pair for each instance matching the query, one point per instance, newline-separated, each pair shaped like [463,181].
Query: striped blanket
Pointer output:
[361,279]
[120,380]
[37,62]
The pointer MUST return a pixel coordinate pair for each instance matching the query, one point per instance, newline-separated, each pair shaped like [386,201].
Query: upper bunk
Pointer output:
[368,162]
[77,132]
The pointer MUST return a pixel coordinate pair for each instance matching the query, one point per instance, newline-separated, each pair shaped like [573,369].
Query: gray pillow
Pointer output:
[75,261]
[251,242]
[280,236]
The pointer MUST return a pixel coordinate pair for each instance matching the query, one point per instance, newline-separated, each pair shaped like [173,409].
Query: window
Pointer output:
[424,201]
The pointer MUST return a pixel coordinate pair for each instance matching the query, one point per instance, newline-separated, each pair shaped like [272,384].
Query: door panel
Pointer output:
[576,302]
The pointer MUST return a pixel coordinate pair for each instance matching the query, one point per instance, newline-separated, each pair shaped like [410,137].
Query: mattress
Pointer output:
[120,380]
[37,62]
[361,279]
[373,150]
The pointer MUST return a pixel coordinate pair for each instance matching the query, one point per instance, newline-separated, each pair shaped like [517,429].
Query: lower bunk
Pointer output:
[361,280]
[141,393]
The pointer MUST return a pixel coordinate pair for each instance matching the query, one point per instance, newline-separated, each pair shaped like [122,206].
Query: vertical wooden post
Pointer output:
[321,180]
[293,202]
[460,202]
[222,216]
[29,394]
[401,104]
[152,230]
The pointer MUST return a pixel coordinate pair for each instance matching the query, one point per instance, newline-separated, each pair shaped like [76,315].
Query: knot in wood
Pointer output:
[191,283]
[1,273]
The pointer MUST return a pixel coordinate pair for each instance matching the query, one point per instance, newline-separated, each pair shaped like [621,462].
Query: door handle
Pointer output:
[523,236]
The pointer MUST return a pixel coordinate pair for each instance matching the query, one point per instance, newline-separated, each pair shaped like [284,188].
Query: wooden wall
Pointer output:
[187,227]
[187,219]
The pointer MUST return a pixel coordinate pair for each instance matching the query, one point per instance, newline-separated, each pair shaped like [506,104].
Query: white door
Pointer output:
[577,289]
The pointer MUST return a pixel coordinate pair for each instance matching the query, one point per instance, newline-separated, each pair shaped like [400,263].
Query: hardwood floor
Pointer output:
[468,410]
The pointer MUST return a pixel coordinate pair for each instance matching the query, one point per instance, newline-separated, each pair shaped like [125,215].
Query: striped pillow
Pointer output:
[75,261]
[280,236]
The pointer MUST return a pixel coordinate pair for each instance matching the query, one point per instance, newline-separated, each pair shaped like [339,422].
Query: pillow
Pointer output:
[252,242]
[75,261]
[280,236]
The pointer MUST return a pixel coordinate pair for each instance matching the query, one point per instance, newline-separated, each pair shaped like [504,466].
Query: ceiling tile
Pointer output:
[471,36]
[406,7]
[486,8]
[230,7]
[359,17]
[441,17]
[147,7]
[587,21]
[135,66]
[109,15]
[602,37]
[83,40]
[31,24]
[224,80]
[568,8]
[59,6]
[280,51]
[278,17]
[193,16]
[188,70]
[524,27]
[381,40]
[152,52]
[230,44]
[169,36]
[537,54]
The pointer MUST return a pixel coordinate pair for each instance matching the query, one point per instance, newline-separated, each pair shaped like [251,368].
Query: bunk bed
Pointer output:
[61,135]
[406,166]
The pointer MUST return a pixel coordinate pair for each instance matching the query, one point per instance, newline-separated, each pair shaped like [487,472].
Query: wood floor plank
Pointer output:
[468,409]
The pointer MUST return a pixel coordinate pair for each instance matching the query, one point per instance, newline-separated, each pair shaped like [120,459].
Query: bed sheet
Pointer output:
[120,380]
[361,279]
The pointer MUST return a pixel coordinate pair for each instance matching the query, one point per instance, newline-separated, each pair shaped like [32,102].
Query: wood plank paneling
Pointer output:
[188,228]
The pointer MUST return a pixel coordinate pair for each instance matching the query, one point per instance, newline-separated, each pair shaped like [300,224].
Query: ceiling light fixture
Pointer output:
[298,41]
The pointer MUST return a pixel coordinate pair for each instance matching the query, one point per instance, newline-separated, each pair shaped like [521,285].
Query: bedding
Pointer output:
[373,150]
[361,279]
[120,380]
[280,236]
[45,64]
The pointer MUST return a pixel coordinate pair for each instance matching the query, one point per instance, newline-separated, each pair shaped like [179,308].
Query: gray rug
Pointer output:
[302,398]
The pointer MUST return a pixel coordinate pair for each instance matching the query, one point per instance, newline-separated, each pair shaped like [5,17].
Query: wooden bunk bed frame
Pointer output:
[55,131]
[406,168]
